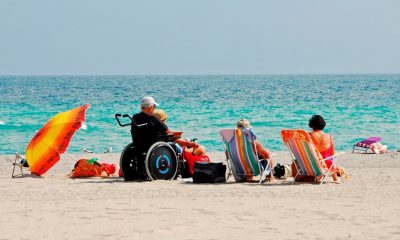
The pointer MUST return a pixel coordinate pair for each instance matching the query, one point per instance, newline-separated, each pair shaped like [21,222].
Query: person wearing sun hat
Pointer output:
[263,152]
[160,114]
[192,147]
[243,123]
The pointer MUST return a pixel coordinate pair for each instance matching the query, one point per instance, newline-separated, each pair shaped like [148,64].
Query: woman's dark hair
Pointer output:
[317,122]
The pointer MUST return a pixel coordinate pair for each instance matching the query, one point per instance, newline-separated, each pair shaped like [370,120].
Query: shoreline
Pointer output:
[282,157]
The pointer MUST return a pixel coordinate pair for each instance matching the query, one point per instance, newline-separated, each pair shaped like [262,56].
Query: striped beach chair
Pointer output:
[306,156]
[241,155]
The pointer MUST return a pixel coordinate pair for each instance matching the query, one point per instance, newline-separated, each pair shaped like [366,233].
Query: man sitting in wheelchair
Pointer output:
[152,154]
[146,129]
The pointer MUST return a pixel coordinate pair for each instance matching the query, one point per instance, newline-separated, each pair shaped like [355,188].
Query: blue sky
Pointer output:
[199,37]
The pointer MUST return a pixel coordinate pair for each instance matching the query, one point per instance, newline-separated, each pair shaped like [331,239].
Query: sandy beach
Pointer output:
[58,207]
[90,76]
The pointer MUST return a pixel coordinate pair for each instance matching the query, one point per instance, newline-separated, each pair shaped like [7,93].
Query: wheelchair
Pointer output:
[161,161]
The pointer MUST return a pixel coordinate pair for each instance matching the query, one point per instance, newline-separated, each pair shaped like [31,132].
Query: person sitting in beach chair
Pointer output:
[262,152]
[308,164]
[246,157]
[323,141]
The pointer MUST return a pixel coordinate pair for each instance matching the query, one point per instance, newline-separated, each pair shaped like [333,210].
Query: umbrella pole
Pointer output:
[71,156]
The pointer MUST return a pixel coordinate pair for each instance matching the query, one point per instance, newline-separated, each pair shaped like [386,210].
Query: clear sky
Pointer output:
[199,37]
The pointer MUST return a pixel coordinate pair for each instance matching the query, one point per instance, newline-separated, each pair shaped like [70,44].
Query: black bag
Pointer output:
[279,171]
[205,172]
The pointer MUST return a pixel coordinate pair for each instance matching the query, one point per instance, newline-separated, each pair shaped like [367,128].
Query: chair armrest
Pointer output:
[332,156]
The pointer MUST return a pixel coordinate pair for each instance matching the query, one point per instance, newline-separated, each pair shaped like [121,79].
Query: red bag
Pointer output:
[191,159]
[108,168]
[84,169]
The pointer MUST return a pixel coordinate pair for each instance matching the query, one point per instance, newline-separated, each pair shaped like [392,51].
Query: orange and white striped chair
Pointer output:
[306,156]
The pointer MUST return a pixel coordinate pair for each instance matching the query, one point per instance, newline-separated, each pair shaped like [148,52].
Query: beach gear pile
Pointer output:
[191,159]
[91,168]
[372,144]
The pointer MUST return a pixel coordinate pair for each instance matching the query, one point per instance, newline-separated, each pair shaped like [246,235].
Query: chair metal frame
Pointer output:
[17,163]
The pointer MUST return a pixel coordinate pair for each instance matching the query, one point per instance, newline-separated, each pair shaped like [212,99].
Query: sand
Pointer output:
[57,207]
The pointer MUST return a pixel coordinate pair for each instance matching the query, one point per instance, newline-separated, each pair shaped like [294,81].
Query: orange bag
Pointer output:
[85,169]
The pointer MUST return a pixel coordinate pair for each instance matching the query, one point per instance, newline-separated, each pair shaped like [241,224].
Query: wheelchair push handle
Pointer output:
[118,116]
[131,123]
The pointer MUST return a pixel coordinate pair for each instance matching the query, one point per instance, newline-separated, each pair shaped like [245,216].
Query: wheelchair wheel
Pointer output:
[131,163]
[161,162]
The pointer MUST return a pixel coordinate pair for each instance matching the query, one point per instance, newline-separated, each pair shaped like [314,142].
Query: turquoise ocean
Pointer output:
[354,106]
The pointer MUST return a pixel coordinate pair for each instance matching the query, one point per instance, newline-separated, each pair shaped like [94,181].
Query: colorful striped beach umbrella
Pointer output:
[53,138]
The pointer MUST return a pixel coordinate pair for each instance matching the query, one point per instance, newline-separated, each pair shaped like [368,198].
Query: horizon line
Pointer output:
[199,74]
